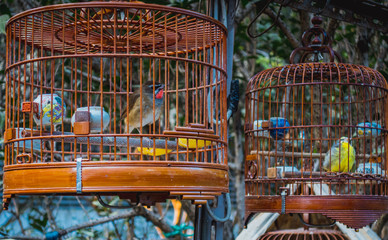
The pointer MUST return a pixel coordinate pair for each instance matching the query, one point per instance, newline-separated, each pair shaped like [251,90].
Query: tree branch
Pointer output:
[156,220]
[136,211]
[381,56]
[332,27]
[242,12]
[189,209]
[304,18]
[47,203]
[24,237]
[17,215]
[83,208]
[293,40]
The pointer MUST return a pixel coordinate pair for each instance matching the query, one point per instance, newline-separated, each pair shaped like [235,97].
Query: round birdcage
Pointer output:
[300,234]
[116,98]
[316,137]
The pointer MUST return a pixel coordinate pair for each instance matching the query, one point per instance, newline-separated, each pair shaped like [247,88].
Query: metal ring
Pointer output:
[228,210]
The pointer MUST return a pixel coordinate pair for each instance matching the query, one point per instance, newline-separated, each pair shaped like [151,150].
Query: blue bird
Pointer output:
[368,129]
[279,122]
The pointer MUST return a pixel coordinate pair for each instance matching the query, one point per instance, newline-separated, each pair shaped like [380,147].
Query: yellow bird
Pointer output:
[193,143]
[335,163]
[151,152]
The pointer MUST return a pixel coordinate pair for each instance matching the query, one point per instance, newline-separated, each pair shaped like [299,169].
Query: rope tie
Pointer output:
[179,230]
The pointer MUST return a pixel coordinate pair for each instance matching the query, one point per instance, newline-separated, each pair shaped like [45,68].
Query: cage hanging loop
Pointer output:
[315,41]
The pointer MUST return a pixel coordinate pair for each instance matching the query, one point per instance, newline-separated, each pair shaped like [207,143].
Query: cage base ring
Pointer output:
[121,178]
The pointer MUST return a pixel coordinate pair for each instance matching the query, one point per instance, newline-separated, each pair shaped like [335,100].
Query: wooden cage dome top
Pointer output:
[116,27]
[317,73]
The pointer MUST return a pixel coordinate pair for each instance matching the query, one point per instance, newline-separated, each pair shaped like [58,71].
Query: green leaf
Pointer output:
[3,20]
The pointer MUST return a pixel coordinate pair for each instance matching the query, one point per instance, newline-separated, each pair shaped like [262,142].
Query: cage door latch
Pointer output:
[283,194]
[79,176]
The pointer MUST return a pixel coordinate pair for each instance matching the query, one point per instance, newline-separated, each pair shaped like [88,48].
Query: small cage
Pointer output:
[316,137]
[297,234]
[116,98]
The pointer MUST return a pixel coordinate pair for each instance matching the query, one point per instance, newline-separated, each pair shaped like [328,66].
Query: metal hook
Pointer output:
[324,8]
[112,206]
[228,210]
[285,3]
[314,225]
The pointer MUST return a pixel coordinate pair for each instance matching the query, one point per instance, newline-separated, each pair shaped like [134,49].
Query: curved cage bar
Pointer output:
[304,235]
[316,142]
[116,98]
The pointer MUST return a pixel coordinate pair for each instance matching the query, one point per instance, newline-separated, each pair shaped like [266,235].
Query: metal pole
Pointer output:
[230,42]
[197,224]
[203,224]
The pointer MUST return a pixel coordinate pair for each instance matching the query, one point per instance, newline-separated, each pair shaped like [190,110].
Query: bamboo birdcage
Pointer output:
[72,70]
[296,115]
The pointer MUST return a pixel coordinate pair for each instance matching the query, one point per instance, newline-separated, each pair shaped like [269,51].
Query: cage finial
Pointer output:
[315,41]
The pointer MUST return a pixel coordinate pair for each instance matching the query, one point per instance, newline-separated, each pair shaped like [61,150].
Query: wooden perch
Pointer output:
[280,172]
[69,137]
[304,174]
[304,154]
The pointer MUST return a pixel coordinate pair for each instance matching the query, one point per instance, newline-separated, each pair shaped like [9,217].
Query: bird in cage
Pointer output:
[341,157]
[281,125]
[193,143]
[260,128]
[368,129]
[50,110]
[150,94]
[153,151]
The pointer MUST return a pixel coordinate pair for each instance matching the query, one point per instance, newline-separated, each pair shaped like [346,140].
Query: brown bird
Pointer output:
[150,93]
